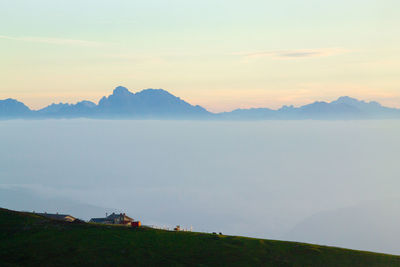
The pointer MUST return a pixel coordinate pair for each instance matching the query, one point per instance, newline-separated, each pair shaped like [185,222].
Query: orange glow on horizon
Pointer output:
[220,101]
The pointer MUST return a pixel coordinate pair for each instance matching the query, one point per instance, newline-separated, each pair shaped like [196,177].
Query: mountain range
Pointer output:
[160,104]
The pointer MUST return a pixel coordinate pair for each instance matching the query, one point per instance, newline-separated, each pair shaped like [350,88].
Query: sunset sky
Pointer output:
[219,54]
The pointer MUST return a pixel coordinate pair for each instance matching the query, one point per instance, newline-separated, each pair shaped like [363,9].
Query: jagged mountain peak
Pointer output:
[355,102]
[13,108]
[347,100]
[147,103]
[86,103]
[10,100]
[121,90]
[154,91]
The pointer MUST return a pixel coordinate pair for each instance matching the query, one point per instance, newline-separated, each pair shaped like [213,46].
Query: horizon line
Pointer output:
[238,108]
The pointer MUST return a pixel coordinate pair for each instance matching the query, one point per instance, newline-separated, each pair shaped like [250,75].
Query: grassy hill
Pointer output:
[28,240]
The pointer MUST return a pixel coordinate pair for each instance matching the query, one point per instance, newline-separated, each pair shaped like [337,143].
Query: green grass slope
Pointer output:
[30,240]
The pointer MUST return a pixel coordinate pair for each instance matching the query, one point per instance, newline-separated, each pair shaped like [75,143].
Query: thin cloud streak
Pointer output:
[295,53]
[50,40]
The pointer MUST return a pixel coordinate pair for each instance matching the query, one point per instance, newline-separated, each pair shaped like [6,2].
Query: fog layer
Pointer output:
[272,179]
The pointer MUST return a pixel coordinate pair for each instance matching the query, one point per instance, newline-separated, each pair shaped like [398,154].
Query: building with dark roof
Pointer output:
[113,218]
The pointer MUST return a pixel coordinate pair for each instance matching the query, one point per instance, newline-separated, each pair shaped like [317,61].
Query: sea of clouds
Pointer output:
[327,182]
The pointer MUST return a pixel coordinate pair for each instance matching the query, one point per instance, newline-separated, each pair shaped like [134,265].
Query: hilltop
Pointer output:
[29,239]
[160,104]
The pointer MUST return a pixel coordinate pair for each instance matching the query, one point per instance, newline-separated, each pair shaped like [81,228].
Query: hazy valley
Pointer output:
[314,181]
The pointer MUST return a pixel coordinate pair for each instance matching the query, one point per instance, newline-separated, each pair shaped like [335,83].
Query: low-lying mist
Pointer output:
[327,182]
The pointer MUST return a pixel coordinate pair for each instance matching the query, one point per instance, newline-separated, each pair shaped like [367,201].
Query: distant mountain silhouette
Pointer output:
[343,108]
[149,103]
[160,104]
[11,108]
[347,108]
[80,109]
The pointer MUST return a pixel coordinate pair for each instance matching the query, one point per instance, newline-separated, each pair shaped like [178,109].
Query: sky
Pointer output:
[219,54]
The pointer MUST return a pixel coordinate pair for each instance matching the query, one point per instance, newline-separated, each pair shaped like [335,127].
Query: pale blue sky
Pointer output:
[219,54]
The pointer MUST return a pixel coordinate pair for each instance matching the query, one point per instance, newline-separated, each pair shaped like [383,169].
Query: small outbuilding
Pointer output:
[136,224]
[59,217]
